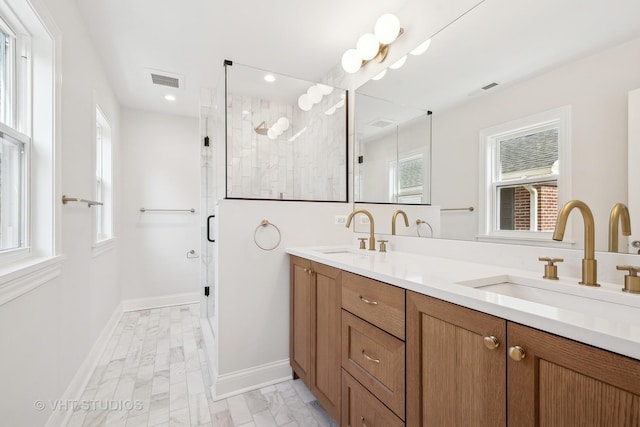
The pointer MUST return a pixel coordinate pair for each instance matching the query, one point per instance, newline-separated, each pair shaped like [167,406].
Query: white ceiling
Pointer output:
[304,39]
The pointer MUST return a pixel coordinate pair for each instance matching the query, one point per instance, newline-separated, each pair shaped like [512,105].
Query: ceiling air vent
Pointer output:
[163,78]
[489,86]
[157,79]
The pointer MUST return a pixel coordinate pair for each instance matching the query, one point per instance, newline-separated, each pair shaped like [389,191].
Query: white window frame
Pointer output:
[38,61]
[18,124]
[559,118]
[103,152]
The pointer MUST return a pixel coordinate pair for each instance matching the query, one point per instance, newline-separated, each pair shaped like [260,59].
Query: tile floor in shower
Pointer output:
[154,373]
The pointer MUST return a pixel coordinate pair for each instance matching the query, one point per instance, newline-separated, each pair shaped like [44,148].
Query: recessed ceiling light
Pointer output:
[269,78]
[170,97]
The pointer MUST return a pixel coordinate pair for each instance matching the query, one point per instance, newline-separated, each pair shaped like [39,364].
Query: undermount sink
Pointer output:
[334,251]
[577,298]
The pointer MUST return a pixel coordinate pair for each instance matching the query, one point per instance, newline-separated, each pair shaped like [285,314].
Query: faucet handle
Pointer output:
[362,244]
[383,246]
[631,280]
[550,270]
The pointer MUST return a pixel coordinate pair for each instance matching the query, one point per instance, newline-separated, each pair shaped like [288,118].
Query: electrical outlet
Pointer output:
[340,219]
[364,220]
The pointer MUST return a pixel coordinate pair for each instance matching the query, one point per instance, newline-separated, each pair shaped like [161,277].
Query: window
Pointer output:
[14,141]
[103,214]
[406,179]
[524,173]
[29,157]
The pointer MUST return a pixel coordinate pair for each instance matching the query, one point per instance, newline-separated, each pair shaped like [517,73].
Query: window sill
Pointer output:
[26,276]
[528,241]
[103,246]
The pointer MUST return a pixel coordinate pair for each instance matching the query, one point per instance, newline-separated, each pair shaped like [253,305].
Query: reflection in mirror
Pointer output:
[530,61]
[286,138]
[393,152]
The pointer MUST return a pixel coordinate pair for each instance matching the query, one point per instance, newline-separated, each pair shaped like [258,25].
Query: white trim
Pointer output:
[238,382]
[82,377]
[103,246]
[161,301]
[28,276]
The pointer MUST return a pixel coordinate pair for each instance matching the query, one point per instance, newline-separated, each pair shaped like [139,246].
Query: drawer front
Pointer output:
[361,408]
[376,359]
[375,302]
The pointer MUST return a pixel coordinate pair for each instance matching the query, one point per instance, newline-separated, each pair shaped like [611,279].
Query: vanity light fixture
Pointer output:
[281,125]
[422,48]
[373,46]
[313,96]
[170,97]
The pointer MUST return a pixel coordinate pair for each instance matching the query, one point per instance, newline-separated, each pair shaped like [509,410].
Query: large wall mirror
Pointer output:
[553,75]
[286,138]
[393,152]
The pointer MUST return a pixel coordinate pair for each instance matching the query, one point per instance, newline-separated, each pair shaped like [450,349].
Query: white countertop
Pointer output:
[604,325]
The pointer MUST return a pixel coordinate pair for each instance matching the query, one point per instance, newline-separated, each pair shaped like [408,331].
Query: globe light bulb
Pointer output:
[283,123]
[367,46]
[314,94]
[399,63]
[304,103]
[387,28]
[271,134]
[351,61]
[422,48]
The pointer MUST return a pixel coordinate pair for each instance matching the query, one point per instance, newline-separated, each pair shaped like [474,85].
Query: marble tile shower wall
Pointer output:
[310,166]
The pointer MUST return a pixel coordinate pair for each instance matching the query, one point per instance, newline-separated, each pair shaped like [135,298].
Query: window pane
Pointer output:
[11,188]
[6,61]
[529,156]
[532,207]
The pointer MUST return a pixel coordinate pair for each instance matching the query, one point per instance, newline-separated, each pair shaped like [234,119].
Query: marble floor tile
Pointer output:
[155,360]
[240,412]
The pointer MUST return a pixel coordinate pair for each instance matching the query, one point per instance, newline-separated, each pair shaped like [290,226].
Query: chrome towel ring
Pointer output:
[263,225]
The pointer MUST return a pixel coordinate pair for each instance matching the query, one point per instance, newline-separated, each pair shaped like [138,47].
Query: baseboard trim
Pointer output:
[161,301]
[83,375]
[238,382]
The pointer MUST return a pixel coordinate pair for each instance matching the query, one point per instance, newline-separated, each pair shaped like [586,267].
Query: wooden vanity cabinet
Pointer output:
[561,382]
[315,330]
[456,375]
[453,377]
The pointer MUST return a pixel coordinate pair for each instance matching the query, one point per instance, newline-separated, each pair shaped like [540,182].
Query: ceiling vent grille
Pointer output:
[158,79]
[164,78]
[489,86]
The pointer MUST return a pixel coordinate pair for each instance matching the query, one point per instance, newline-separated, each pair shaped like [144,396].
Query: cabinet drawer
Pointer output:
[375,302]
[361,408]
[376,359]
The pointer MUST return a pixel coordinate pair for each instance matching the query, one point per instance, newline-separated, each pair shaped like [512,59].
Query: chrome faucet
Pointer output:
[395,217]
[372,239]
[619,215]
[589,264]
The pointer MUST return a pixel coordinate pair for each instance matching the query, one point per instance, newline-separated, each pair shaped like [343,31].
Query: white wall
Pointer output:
[595,87]
[253,284]
[47,333]
[161,170]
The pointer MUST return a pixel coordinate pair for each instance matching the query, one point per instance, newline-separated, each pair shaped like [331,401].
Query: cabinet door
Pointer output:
[300,317]
[453,378]
[560,382]
[326,334]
